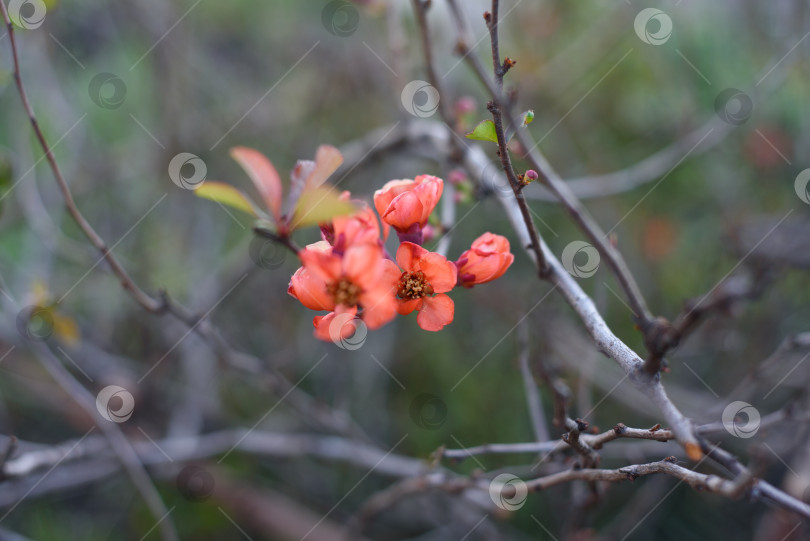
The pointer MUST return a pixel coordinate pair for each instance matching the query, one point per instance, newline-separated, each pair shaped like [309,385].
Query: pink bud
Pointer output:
[465,104]
[456,177]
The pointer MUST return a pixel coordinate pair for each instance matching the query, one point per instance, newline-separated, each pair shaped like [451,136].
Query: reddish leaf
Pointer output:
[264,177]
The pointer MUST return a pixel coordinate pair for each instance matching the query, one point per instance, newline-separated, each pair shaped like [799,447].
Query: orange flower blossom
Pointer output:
[360,278]
[406,204]
[425,279]
[486,260]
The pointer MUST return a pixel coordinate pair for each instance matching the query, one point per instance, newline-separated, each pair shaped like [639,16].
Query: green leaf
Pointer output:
[319,205]
[226,195]
[484,131]
[525,119]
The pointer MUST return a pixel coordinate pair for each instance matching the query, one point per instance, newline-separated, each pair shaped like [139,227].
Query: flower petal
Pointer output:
[436,312]
[490,267]
[440,273]
[310,290]
[379,306]
[336,326]
[362,263]
[386,194]
[405,307]
[408,256]
[404,211]
[490,243]
[323,264]
[429,190]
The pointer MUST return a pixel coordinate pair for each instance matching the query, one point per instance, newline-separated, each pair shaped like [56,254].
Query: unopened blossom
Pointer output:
[406,204]
[486,260]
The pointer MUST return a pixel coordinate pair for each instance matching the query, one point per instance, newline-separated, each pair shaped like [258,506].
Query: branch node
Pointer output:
[508,64]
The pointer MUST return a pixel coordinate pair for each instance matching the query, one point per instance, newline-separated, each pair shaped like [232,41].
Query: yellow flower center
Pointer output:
[344,292]
[413,285]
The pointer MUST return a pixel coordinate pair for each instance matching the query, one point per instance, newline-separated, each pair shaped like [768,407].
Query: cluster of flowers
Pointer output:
[351,275]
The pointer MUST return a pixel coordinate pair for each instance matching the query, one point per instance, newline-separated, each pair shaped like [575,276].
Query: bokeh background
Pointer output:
[121,88]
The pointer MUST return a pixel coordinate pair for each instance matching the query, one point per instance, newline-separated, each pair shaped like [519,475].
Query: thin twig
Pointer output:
[533,400]
[149,303]
[551,179]
[495,108]
[698,481]
[118,442]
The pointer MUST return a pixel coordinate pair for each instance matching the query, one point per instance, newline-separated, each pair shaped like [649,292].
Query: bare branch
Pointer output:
[118,442]
[698,481]
[533,400]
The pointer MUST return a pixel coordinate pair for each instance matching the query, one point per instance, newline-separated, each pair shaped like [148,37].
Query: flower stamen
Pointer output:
[413,285]
[344,292]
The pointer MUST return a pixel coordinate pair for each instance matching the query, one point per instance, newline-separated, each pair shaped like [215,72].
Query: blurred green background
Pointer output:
[201,77]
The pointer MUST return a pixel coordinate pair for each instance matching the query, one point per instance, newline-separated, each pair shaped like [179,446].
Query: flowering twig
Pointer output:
[495,108]
[148,302]
[135,470]
[546,173]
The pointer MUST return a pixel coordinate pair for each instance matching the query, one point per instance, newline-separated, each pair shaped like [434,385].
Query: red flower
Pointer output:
[422,286]
[406,204]
[360,277]
[486,260]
